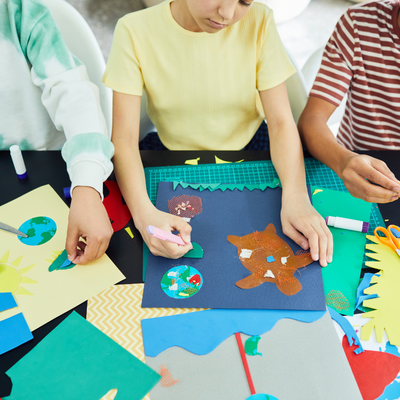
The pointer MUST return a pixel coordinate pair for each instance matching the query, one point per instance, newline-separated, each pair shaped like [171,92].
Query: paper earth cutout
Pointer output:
[39,230]
[181,282]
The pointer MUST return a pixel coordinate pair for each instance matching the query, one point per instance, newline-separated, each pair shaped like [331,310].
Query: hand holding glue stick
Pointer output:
[349,224]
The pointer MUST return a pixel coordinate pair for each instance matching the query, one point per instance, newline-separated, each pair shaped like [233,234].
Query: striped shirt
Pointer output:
[362,59]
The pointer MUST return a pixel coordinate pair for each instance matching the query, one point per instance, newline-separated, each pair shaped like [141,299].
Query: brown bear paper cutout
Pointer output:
[253,250]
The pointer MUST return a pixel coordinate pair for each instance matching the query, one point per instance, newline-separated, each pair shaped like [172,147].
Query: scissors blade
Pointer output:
[10,229]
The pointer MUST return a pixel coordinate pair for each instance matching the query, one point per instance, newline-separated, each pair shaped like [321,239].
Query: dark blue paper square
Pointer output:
[230,213]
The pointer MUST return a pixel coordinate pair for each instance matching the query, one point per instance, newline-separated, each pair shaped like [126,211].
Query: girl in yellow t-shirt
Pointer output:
[212,71]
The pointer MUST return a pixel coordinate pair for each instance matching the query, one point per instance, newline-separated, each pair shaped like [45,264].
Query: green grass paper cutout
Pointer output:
[225,186]
[341,277]
[77,361]
[196,252]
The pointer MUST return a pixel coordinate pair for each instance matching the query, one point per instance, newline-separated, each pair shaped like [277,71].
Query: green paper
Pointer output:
[196,252]
[77,361]
[341,277]
[58,261]
[226,186]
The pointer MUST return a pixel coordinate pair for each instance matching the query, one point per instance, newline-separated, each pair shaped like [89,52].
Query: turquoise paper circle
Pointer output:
[262,397]
[39,230]
[181,282]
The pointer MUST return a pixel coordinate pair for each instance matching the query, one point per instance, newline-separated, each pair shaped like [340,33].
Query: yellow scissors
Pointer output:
[389,238]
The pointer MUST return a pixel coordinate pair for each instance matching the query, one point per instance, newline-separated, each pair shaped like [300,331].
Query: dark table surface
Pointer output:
[49,168]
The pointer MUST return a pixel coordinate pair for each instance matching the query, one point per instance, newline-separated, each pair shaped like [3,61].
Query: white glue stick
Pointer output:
[18,162]
[346,223]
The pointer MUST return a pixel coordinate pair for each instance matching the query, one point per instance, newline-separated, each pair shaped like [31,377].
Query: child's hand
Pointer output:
[169,223]
[369,179]
[302,223]
[87,219]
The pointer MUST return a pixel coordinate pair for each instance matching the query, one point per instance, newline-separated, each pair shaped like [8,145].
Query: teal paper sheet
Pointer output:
[77,361]
[342,276]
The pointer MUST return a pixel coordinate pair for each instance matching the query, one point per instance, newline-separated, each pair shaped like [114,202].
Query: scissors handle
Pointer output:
[386,239]
[395,236]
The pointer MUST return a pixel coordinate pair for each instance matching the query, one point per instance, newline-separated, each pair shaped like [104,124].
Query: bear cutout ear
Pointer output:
[235,240]
[270,228]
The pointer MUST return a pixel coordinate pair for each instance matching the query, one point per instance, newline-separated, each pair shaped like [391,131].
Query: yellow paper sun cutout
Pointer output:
[12,276]
[384,312]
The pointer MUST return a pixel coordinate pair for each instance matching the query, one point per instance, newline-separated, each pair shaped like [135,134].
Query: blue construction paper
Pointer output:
[14,331]
[7,301]
[365,283]
[76,361]
[201,332]
[347,329]
[230,213]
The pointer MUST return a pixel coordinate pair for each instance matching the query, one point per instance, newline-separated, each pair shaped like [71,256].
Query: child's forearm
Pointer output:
[130,176]
[287,157]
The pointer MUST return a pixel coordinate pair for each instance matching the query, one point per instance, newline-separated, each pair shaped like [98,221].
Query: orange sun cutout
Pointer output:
[12,276]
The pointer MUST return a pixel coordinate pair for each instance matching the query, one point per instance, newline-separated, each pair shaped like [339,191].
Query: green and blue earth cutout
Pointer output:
[181,282]
[39,230]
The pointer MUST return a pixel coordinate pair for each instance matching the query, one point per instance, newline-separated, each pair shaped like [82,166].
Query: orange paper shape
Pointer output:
[373,370]
[253,250]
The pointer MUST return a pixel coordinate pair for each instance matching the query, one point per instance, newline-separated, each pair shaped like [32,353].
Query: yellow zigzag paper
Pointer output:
[117,312]
[386,286]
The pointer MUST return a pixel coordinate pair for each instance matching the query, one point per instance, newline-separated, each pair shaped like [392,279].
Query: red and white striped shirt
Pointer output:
[362,59]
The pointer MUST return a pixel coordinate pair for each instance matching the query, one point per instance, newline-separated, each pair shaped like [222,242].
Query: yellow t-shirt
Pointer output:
[202,88]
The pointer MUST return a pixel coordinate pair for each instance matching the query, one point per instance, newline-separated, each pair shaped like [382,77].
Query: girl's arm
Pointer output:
[300,221]
[130,176]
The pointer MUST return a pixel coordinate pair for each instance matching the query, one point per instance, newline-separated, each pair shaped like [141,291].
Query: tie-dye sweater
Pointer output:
[46,98]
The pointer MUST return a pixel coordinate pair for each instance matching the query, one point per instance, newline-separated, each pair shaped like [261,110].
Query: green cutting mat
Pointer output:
[252,172]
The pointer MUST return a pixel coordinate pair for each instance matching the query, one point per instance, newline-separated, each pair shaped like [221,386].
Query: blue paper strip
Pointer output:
[14,331]
[201,332]
[366,282]
[348,330]
[7,301]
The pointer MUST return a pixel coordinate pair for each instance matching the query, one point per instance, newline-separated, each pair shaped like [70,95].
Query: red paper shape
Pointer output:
[117,211]
[373,370]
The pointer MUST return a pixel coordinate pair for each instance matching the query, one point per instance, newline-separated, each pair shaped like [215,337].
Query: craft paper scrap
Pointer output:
[341,276]
[299,361]
[7,301]
[76,361]
[385,313]
[24,269]
[13,332]
[348,329]
[373,370]
[193,161]
[202,332]
[116,311]
[117,210]
[380,383]
[220,161]
[228,211]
